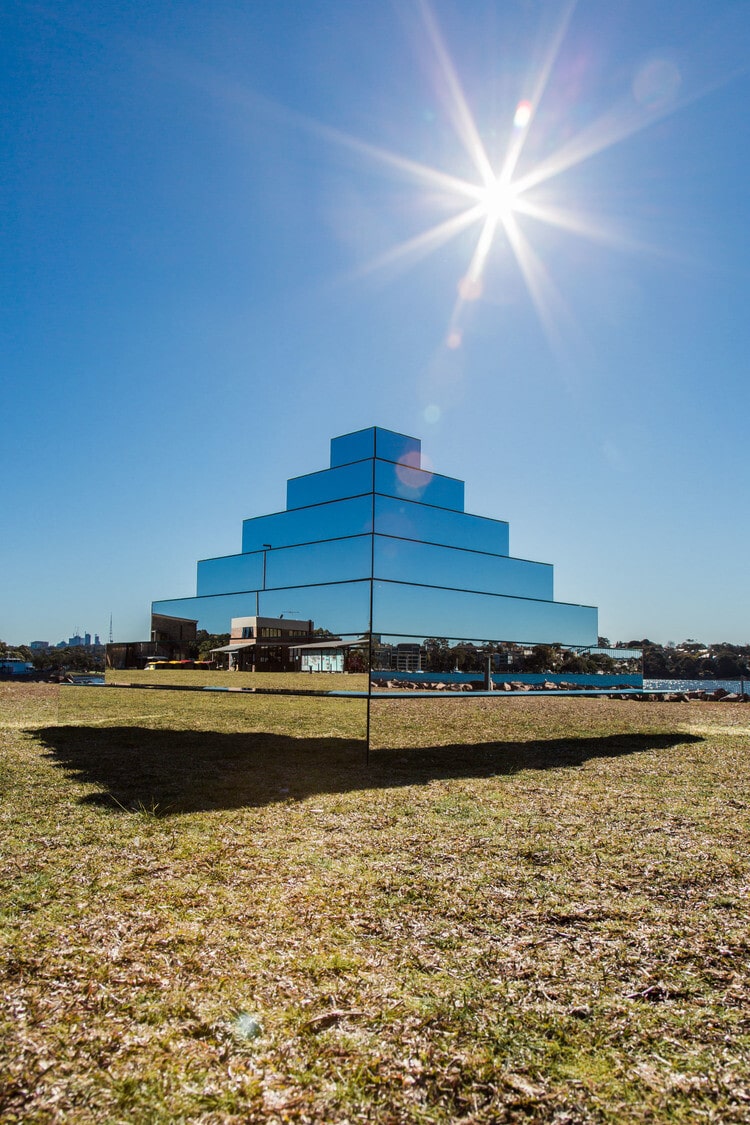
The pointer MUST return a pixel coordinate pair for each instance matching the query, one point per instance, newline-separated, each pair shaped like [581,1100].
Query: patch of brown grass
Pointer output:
[522,910]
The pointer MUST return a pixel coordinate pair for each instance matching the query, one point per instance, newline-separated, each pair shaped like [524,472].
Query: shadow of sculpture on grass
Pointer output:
[169,772]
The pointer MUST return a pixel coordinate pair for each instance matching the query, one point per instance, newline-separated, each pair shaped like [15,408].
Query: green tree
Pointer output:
[206,641]
[543,658]
[438,655]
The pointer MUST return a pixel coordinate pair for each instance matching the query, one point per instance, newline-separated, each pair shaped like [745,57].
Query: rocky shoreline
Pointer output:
[718,695]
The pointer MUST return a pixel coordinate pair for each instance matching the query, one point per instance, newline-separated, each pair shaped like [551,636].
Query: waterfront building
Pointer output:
[264,644]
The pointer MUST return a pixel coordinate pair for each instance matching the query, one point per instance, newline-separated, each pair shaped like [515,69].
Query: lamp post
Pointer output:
[266,548]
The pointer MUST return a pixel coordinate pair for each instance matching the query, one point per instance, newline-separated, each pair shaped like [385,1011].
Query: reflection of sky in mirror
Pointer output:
[339,560]
[329,484]
[436,525]
[427,611]
[401,480]
[375,442]
[419,484]
[325,521]
[425,563]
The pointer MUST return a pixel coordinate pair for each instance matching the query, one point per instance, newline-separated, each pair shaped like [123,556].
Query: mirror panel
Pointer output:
[338,608]
[337,560]
[390,446]
[352,447]
[375,442]
[343,608]
[305,525]
[471,664]
[411,611]
[410,520]
[418,484]
[230,574]
[427,564]
[330,484]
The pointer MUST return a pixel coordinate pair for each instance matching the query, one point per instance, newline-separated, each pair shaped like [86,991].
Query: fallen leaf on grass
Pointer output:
[655,993]
[522,1085]
[328,1019]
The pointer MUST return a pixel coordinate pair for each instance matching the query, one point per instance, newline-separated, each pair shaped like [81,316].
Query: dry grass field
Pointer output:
[523,910]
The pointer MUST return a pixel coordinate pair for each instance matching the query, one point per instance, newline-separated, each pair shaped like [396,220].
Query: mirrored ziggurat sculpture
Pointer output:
[377,546]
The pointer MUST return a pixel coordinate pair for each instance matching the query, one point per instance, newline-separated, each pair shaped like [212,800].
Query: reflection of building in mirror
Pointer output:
[279,644]
[400,657]
[332,656]
[172,639]
[261,644]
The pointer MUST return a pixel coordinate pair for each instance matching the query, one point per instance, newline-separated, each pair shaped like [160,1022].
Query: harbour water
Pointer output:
[697,685]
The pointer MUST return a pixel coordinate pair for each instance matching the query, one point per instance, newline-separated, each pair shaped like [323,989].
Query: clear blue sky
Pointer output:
[199,207]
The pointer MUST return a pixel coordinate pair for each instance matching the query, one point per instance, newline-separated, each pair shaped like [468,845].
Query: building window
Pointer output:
[247,632]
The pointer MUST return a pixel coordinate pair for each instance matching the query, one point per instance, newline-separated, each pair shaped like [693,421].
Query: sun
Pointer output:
[498,200]
[491,201]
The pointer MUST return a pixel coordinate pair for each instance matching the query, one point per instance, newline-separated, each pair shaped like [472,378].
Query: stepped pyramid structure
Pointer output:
[378,544]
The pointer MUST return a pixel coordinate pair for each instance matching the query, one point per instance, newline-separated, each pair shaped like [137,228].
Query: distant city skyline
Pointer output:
[518,232]
[76,641]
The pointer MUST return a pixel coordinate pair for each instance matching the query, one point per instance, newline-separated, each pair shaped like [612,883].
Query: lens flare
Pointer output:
[522,115]
[470,288]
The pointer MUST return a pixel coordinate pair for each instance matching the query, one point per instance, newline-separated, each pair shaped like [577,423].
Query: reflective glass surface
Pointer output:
[417,484]
[305,525]
[343,608]
[427,662]
[438,525]
[390,446]
[353,447]
[214,614]
[330,484]
[375,442]
[337,561]
[376,532]
[434,658]
[230,574]
[338,608]
[426,611]
[406,561]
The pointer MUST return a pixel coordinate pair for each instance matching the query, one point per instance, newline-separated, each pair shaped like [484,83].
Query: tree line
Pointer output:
[72,658]
[690,660]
